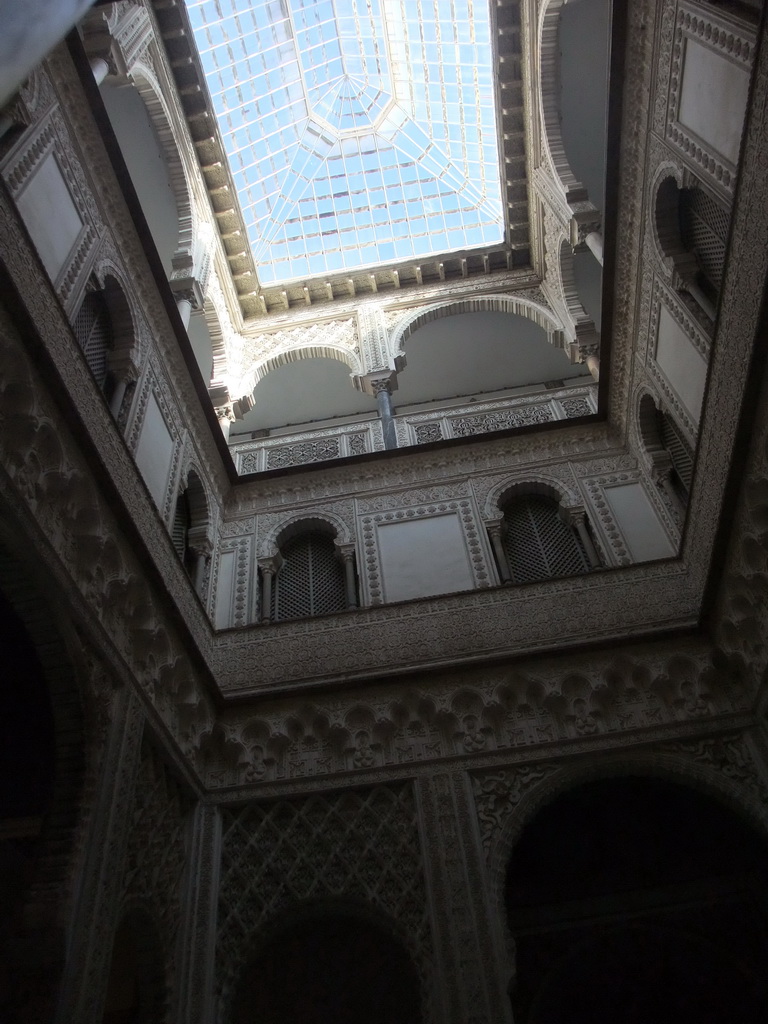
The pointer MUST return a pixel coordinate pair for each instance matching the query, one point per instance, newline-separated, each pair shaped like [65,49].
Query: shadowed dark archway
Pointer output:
[638,900]
[329,968]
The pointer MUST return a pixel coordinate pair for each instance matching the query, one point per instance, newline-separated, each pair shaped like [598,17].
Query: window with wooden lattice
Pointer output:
[93,330]
[180,527]
[310,580]
[680,454]
[537,543]
[704,232]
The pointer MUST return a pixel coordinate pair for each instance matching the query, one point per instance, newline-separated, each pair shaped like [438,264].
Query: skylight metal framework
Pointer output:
[359,132]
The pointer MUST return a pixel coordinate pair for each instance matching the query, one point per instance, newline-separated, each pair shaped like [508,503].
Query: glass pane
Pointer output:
[363,103]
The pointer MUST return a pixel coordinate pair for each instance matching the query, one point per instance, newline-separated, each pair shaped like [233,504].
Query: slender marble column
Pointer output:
[383,392]
[701,299]
[579,521]
[197,934]
[100,69]
[184,306]
[347,553]
[268,570]
[494,532]
[471,973]
[594,242]
[116,401]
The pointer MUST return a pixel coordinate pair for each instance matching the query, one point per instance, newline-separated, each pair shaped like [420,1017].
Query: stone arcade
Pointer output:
[388,643]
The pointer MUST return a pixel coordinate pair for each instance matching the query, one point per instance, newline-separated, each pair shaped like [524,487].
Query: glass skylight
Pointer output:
[359,132]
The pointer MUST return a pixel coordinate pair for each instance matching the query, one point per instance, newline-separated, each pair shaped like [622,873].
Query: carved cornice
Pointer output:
[478,716]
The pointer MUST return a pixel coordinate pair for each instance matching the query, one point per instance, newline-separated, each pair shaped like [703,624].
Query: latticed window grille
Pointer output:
[704,232]
[181,524]
[311,579]
[93,330]
[538,544]
[680,453]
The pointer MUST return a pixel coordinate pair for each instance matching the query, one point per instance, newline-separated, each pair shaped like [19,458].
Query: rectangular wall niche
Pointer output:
[681,363]
[155,452]
[423,557]
[50,215]
[713,99]
[641,527]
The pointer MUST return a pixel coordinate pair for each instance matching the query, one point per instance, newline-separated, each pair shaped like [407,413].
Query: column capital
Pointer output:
[269,564]
[495,525]
[124,364]
[584,222]
[187,288]
[199,541]
[573,514]
[378,381]
[346,552]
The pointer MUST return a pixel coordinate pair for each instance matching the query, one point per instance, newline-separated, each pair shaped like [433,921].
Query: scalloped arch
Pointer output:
[297,353]
[538,483]
[549,107]
[517,305]
[270,544]
[652,763]
[149,89]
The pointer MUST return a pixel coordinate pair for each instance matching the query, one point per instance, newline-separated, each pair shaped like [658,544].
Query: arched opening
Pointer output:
[190,529]
[486,352]
[311,578]
[692,232]
[303,392]
[136,989]
[584,30]
[667,448]
[42,763]
[147,165]
[93,330]
[104,329]
[637,899]
[27,758]
[538,543]
[329,968]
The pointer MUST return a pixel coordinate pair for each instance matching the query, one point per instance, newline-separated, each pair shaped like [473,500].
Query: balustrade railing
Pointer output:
[282,451]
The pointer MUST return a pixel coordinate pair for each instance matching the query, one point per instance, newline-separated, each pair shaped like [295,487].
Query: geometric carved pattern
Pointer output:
[682,460]
[484,423]
[704,232]
[298,454]
[361,845]
[575,407]
[156,854]
[311,579]
[539,545]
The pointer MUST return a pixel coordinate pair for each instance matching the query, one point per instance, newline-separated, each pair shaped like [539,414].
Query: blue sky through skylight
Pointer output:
[358,132]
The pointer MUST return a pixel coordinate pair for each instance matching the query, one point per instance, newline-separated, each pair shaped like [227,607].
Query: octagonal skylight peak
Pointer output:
[359,132]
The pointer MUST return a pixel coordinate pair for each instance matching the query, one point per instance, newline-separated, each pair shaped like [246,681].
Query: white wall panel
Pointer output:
[713,99]
[681,363]
[224,587]
[421,557]
[155,451]
[637,519]
[50,215]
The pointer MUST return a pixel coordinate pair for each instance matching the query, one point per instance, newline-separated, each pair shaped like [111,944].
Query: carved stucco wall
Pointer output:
[352,848]
[686,707]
